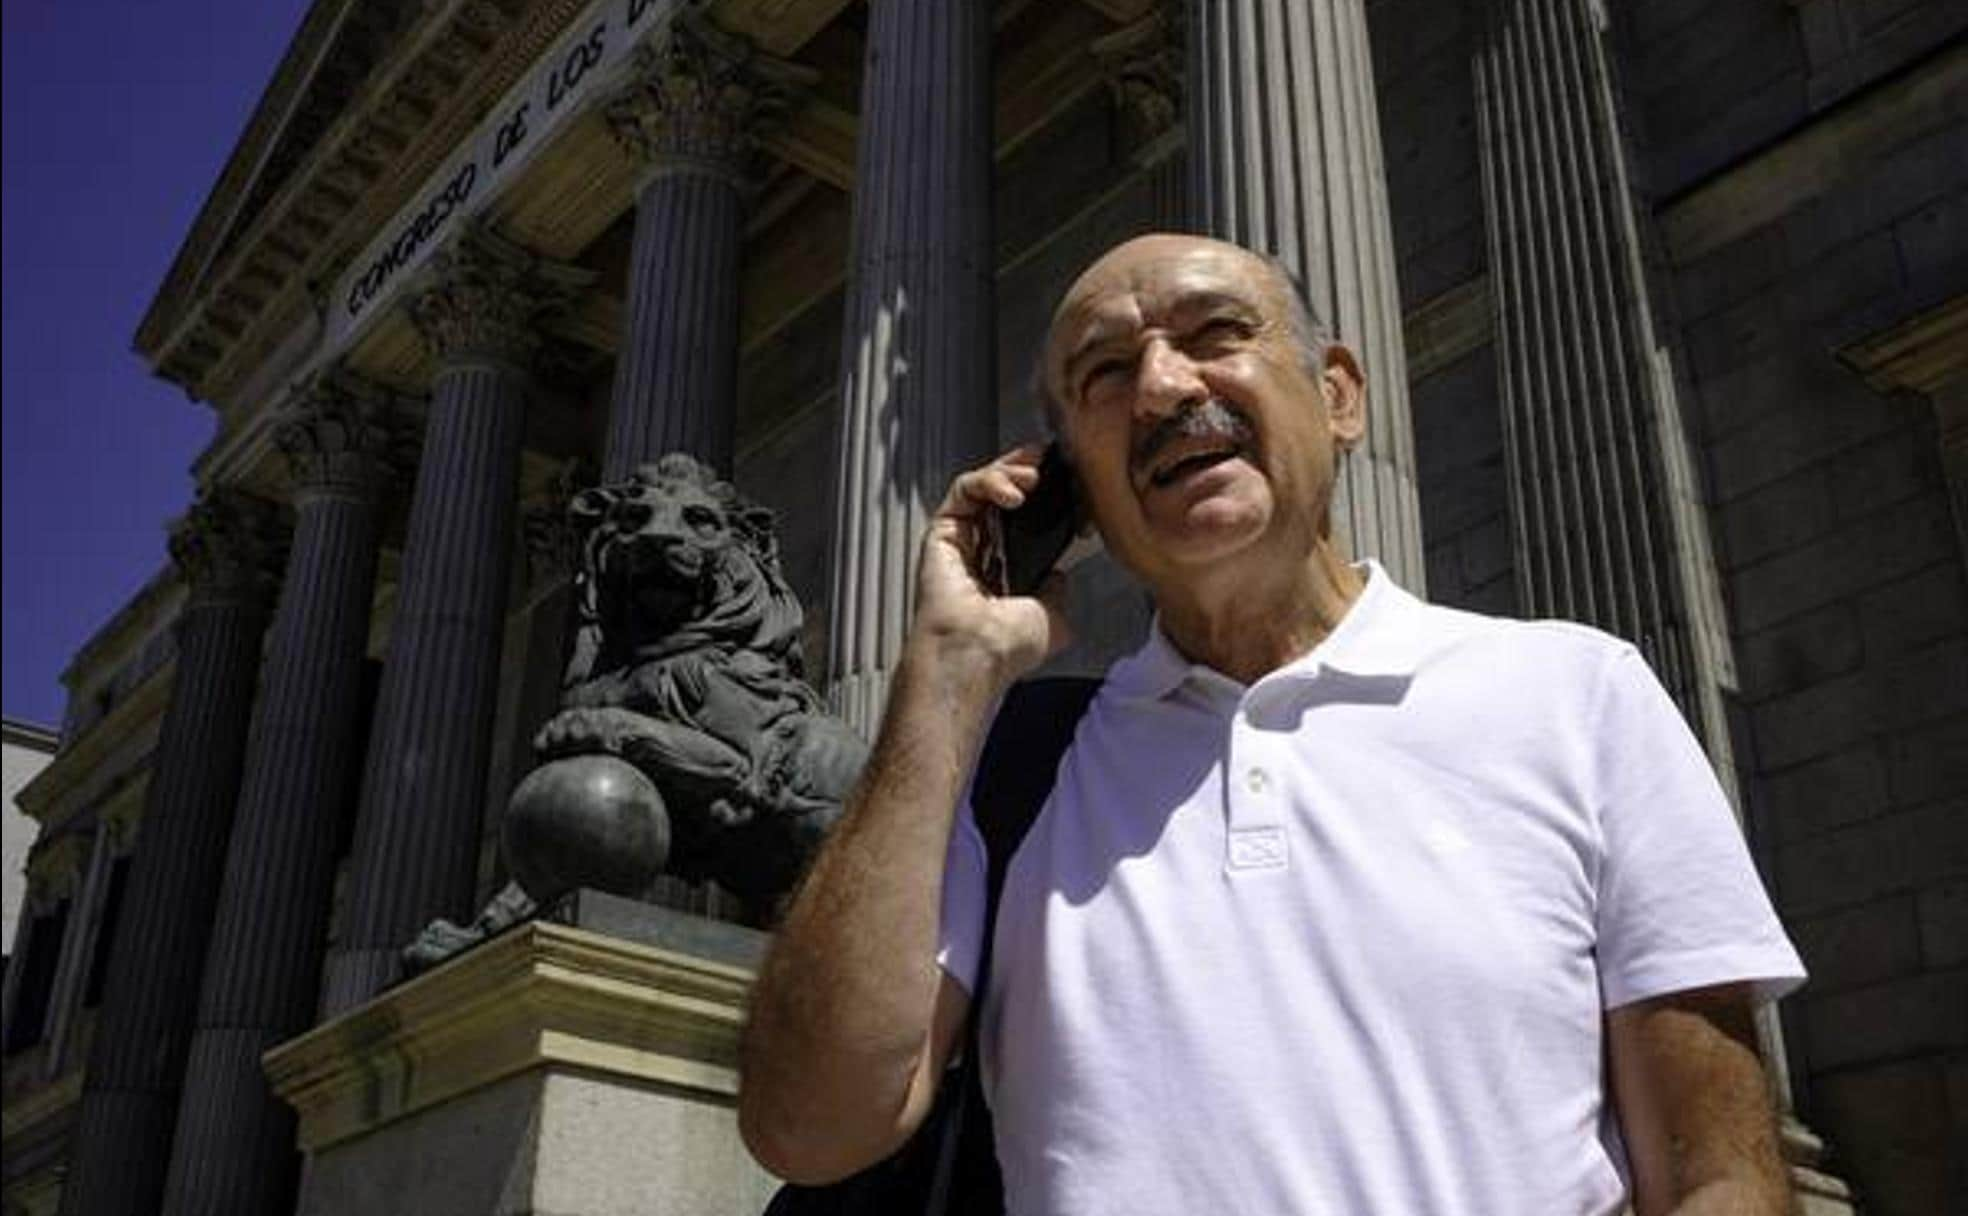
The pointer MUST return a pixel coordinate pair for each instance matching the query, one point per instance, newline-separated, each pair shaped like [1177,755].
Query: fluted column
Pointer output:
[690,115]
[1593,445]
[234,1150]
[1605,506]
[417,828]
[227,547]
[1284,157]
[918,392]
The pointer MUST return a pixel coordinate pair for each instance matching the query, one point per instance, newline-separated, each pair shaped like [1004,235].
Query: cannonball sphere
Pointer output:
[586,821]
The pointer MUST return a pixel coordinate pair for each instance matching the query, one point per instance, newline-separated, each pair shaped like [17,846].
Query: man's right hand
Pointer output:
[852,1019]
[956,615]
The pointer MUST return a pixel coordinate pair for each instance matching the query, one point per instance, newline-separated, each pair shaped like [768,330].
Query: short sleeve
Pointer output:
[961,937]
[1680,904]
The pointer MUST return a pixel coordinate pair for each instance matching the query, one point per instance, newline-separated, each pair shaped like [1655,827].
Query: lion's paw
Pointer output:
[582,732]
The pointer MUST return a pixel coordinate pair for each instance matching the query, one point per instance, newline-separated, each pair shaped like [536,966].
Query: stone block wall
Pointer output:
[1421,54]
[1712,81]
[1807,163]
[1465,518]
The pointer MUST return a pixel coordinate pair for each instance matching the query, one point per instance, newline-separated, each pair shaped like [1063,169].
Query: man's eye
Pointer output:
[1102,370]
[700,519]
[1224,329]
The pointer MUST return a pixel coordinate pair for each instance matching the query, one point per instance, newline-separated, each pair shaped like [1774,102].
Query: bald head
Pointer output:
[1124,268]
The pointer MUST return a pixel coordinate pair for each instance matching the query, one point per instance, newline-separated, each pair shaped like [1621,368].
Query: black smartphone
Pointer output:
[1021,547]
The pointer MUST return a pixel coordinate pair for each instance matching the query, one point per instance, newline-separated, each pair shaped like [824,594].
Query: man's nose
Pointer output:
[1167,380]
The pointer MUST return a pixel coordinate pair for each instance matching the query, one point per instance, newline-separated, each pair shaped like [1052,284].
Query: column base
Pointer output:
[557,1068]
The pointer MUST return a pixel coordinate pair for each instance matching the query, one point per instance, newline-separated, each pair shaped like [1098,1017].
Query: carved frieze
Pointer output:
[487,299]
[699,97]
[230,546]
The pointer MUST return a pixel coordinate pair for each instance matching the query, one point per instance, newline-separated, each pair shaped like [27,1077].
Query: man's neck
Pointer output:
[1250,623]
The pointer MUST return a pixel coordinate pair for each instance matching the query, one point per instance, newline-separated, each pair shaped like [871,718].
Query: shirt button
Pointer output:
[1257,780]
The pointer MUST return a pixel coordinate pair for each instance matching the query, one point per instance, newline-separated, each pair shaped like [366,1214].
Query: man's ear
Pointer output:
[1345,388]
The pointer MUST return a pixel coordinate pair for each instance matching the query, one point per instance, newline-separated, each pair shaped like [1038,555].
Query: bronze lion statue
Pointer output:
[687,740]
[687,664]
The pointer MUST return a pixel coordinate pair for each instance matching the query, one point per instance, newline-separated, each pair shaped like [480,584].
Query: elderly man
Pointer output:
[1341,903]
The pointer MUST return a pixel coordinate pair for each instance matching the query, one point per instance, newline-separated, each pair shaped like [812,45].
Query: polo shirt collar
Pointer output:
[1381,635]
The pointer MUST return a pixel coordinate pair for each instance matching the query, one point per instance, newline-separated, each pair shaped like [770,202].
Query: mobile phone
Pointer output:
[1023,546]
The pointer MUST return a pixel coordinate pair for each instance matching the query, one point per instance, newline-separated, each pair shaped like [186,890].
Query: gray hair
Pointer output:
[1307,329]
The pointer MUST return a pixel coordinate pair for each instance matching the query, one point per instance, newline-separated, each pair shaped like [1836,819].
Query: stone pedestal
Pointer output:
[586,1067]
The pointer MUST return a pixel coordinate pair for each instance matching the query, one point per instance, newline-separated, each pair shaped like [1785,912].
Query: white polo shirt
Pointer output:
[1342,941]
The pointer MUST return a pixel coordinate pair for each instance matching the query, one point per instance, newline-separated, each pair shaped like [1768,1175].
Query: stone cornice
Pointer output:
[132,625]
[102,758]
[275,113]
[540,996]
[1447,326]
[1918,355]
[18,732]
[407,116]
[259,257]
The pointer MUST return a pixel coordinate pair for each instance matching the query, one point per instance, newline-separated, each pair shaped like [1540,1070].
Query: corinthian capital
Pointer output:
[1143,66]
[699,97]
[229,545]
[486,298]
[340,435]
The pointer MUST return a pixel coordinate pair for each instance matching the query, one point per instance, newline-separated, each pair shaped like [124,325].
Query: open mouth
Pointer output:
[1200,436]
[1183,464]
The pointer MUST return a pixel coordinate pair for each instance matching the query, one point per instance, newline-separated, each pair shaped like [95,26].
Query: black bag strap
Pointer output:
[1016,772]
[1017,769]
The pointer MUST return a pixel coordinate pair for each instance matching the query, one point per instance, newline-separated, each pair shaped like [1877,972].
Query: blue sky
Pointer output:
[118,119]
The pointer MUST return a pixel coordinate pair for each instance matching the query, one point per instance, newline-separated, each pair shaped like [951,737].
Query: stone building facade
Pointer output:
[1664,310]
[26,747]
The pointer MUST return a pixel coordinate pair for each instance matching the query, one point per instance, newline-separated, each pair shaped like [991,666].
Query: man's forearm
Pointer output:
[1694,1107]
[842,1013]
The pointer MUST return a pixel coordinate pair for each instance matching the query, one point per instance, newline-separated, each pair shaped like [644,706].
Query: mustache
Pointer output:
[1210,418]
